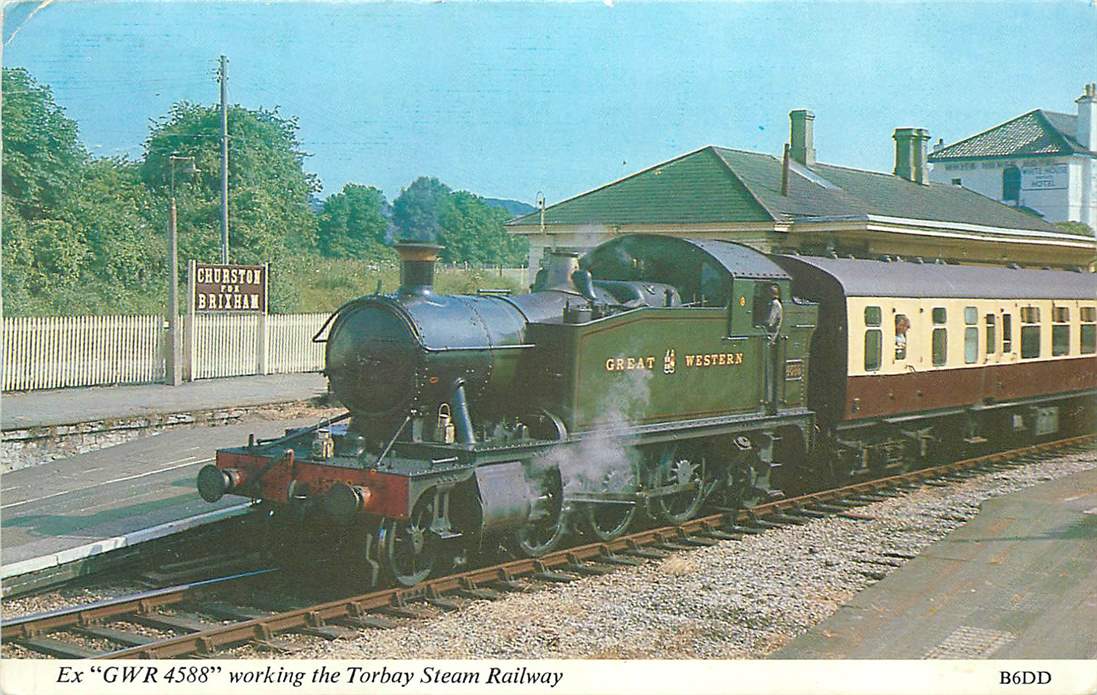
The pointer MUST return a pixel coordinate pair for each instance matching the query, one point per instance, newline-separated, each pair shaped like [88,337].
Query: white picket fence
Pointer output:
[61,351]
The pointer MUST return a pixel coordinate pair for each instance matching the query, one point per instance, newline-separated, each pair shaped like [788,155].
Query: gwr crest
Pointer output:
[670,362]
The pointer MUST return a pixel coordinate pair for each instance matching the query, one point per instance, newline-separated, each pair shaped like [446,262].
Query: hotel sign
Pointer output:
[229,287]
[1044,178]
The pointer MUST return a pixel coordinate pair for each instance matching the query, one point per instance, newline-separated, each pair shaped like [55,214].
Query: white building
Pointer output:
[1041,160]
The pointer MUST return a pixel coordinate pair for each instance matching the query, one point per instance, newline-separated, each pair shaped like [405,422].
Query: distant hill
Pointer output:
[514,207]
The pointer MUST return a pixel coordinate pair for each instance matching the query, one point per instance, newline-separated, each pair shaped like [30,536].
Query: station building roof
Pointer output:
[720,185]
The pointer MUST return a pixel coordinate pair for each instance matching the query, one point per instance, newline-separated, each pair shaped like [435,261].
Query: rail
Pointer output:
[560,566]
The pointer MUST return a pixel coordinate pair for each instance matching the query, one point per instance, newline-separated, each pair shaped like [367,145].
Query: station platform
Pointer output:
[1019,581]
[35,409]
[74,508]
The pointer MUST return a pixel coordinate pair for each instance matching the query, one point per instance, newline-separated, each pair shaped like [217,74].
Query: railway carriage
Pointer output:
[640,384]
[915,358]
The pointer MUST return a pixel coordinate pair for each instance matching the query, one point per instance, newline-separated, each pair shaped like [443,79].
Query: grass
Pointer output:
[325,284]
[311,285]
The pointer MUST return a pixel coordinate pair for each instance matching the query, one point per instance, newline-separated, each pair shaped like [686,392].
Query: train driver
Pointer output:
[776,314]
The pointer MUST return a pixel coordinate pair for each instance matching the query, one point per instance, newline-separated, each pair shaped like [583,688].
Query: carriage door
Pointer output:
[991,325]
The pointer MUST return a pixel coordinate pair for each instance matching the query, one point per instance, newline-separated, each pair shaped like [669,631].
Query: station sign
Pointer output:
[236,288]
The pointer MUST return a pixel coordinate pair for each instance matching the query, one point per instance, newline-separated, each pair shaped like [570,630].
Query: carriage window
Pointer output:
[971,335]
[874,338]
[940,337]
[1030,332]
[1007,333]
[991,338]
[1060,330]
[1089,329]
[902,328]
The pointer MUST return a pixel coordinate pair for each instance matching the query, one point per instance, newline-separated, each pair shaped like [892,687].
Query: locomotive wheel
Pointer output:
[681,464]
[544,535]
[409,549]
[608,521]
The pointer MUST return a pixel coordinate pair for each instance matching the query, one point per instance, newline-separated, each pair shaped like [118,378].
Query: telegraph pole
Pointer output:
[222,74]
[173,372]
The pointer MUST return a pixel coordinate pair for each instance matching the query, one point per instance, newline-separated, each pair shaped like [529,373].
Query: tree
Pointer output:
[1078,228]
[352,223]
[419,209]
[121,224]
[269,215]
[42,150]
[473,232]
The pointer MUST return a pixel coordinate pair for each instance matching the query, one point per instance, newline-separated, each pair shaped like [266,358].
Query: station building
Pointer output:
[796,204]
[1041,160]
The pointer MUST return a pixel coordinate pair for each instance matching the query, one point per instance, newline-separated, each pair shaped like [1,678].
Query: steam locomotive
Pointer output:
[640,384]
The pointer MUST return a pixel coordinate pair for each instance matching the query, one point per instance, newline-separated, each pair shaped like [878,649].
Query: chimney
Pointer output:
[910,154]
[1087,117]
[417,267]
[802,136]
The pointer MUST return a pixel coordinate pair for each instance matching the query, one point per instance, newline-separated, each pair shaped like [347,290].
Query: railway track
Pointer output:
[192,612]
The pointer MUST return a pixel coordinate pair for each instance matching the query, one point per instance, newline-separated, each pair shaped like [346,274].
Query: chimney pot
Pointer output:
[802,136]
[1087,117]
[417,266]
[910,154]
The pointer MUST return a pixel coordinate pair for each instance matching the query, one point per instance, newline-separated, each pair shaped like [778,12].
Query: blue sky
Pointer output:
[506,99]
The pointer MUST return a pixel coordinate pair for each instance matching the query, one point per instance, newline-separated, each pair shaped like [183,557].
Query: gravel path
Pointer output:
[742,599]
[734,600]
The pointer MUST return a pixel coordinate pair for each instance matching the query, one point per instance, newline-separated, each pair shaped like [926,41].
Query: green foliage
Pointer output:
[87,236]
[352,224]
[325,284]
[1078,228]
[42,152]
[472,232]
[121,224]
[269,217]
[420,208]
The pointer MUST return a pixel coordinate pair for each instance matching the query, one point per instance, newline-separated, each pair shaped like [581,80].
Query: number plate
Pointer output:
[794,370]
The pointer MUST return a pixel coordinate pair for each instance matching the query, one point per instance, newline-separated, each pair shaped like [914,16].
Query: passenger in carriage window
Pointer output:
[902,325]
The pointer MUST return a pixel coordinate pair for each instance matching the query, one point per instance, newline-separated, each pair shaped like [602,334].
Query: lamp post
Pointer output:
[173,373]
